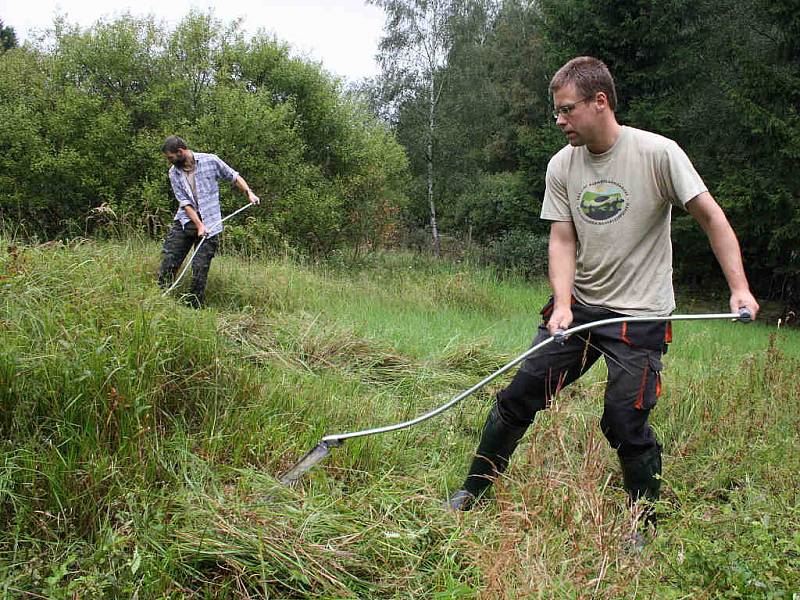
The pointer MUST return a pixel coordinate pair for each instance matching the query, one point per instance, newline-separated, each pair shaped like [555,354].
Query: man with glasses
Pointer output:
[609,194]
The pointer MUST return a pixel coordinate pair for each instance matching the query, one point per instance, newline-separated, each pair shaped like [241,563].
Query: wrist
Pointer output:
[564,303]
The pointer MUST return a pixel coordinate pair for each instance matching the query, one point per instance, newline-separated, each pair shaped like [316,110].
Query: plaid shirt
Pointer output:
[209,168]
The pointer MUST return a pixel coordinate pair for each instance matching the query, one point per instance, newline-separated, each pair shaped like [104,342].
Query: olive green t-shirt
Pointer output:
[620,202]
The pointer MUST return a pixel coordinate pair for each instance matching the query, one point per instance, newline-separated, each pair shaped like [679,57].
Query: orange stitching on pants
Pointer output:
[640,398]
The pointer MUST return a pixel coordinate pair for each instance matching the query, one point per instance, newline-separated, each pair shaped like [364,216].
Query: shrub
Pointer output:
[518,251]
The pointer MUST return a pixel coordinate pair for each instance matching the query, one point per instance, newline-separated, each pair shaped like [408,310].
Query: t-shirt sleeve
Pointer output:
[555,206]
[679,179]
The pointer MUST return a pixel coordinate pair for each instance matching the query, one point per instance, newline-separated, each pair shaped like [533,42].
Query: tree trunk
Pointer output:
[437,246]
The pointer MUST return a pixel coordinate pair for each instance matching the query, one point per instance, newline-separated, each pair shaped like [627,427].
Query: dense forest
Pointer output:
[449,143]
[721,78]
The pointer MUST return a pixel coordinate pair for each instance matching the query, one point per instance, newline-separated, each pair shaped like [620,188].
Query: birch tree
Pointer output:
[413,57]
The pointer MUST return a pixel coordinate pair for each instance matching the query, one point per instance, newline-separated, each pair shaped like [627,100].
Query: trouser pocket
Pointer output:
[650,386]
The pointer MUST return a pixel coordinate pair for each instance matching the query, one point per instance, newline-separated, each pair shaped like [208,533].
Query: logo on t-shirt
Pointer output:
[603,202]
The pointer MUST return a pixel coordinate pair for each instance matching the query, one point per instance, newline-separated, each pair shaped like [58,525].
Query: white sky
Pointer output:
[341,34]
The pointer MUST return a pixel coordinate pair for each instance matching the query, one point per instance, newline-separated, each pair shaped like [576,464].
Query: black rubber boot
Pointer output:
[498,442]
[461,500]
[642,478]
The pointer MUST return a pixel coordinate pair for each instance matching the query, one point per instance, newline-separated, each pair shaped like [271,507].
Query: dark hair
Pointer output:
[173,143]
[589,75]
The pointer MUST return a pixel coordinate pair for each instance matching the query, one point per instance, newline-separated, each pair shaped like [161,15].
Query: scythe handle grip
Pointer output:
[745,316]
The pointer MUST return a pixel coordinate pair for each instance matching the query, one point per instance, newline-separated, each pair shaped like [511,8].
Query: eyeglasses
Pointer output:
[566,109]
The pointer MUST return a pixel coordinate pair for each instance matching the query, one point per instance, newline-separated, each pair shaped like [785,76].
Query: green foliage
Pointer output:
[496,203]
[519,251]
[485,122]
[84,115]
[645,44]
[8,37]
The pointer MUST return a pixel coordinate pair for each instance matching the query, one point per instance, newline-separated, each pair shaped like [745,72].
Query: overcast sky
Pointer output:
[342,34]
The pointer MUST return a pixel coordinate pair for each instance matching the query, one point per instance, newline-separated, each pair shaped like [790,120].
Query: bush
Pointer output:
[497,203]
[518,251]
[82,118]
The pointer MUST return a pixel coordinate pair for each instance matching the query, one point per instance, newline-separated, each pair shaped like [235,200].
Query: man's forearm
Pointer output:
[726,248]
[722,239]
[193,216]
[729,255]
[561,254]
[562,278]
[242,185]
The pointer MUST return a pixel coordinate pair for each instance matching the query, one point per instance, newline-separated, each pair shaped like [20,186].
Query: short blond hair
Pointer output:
[590,75]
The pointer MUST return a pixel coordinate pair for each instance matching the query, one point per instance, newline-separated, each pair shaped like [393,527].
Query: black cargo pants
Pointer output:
[632,353]
[179,241]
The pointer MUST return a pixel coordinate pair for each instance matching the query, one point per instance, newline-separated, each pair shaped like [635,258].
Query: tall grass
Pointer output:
[139,441]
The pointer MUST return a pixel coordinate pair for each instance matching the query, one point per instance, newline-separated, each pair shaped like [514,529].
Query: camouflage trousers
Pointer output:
[179,241]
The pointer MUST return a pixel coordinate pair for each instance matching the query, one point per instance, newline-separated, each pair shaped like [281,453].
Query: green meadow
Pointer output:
[140,440]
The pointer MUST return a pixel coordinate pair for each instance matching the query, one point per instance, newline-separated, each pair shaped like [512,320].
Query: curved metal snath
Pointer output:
[196,248]
[322,449]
